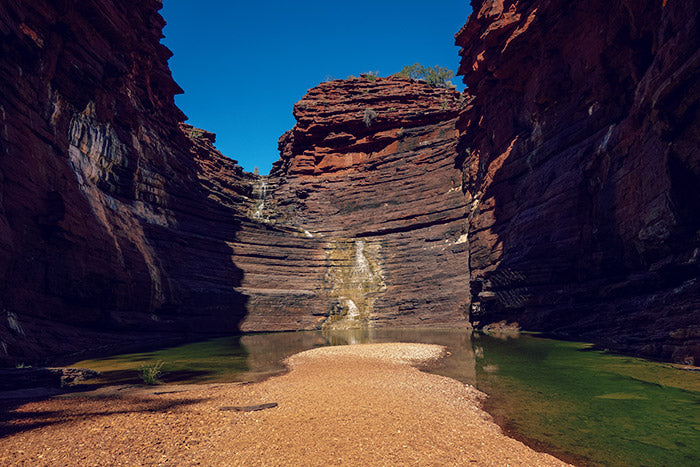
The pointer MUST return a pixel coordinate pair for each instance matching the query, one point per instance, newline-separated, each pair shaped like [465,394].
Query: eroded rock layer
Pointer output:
[108,224]
[561,191]
[117,220]
[580,151]
[368,174]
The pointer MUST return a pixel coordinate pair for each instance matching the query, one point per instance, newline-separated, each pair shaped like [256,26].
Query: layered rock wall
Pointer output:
[559,191]
[579,150]
[367,176]
[107,224]
[281,269]
[117,220]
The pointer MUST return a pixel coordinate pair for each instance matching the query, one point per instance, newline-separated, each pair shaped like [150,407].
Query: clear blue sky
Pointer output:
[243,64]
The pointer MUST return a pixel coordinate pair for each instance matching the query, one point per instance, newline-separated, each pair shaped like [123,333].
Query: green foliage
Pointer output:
[150,373]
[370,75]
[22,365]
[436,76]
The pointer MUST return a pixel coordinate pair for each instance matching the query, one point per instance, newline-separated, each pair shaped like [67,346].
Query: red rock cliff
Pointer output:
[107,224]
[367,175]
[579,150]
[116,220]
[560,192]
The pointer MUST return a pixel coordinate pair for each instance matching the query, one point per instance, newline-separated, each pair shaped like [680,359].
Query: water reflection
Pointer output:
[265,352]
[599,409]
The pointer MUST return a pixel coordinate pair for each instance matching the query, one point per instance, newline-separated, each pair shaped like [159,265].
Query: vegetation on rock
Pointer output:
[436,76]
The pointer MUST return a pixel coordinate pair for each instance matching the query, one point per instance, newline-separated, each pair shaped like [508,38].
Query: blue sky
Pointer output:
[243,64]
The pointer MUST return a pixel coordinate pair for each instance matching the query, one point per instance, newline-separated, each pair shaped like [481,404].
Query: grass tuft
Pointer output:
[150,374]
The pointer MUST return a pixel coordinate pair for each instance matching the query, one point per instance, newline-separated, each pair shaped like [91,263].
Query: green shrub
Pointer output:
[370,75]
[436,76]
[150,374]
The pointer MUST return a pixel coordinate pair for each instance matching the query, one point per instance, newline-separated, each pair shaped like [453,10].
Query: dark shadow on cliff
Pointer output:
[110,234]
[196,257]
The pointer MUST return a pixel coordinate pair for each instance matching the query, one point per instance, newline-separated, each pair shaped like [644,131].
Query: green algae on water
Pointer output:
[602,408]
[562,397]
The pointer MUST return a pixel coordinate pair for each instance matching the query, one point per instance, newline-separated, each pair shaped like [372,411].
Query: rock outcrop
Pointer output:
[580,153]
[560,191]
[368,174]
[107,226]
[118,223]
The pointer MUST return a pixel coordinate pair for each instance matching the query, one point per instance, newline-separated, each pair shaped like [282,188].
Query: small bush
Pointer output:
[150,374]
[370,75]
[436,76]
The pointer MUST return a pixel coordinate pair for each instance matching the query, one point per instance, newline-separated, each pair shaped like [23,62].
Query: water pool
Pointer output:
[584,405]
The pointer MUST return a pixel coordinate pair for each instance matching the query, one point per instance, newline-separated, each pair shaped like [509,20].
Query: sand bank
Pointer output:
[349,405]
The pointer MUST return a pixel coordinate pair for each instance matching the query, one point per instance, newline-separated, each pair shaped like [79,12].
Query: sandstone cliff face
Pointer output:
[105,221]
[117,221]
[579,150]
[560,191]
[367,177]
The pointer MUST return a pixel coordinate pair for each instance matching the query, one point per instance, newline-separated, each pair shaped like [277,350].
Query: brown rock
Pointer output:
[367,174]
[579,148]
[106,229]
[560,192]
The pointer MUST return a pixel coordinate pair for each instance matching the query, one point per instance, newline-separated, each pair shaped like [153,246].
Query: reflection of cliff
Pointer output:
[579,149]
[266,351]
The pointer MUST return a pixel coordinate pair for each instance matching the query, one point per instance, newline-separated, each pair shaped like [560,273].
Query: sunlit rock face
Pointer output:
[579,150]
[367,177]
[561,191]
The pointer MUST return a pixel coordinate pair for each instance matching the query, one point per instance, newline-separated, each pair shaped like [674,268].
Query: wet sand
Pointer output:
[346,405]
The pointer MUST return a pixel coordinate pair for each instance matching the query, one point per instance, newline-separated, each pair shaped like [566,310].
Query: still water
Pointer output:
[584,405]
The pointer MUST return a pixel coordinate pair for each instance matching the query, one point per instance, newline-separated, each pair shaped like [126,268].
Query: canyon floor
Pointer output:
[351,405]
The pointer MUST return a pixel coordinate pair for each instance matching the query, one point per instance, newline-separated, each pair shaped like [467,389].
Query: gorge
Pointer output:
[559,190]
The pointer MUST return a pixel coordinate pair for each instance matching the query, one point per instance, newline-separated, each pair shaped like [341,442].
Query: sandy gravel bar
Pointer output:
[350,405]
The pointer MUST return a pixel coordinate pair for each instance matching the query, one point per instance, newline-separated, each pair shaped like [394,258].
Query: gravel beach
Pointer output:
[346,405]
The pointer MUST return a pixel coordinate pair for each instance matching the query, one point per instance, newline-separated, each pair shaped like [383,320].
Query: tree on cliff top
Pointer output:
[435,76]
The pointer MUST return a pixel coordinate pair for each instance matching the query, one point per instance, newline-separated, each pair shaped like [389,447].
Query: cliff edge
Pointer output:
[579,149]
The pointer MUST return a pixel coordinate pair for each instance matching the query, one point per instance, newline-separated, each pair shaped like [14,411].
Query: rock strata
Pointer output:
[579,149]
[117,220]
[368,171]
[559,192]
[107,226]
